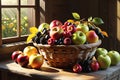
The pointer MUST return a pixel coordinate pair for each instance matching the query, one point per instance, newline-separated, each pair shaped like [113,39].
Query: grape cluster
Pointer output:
[41,38]
[86,65]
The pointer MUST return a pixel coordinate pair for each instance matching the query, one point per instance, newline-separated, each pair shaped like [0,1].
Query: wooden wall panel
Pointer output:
[106,9]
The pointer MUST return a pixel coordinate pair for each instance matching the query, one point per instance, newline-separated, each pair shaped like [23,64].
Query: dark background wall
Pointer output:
[106,9]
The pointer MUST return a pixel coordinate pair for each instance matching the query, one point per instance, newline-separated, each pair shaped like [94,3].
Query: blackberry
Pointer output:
[91,27]
[101,36]
[33,39]
[42,40]
[38,34]
[45,31]
[37,40]
[86,65]
[59,41]
[97,30]
[87,69]
[47,37]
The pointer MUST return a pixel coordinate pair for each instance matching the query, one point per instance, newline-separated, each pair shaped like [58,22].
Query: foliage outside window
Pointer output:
[17,16]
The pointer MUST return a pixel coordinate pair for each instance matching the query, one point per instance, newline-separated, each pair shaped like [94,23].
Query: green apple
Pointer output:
[79,37]
[42,26]
[104,61]
[36,61]
[100,51]
[83,27]
[115,57]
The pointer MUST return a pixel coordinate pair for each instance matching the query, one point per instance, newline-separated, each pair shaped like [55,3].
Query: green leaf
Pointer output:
[97,21]
[76,15]
[90,18]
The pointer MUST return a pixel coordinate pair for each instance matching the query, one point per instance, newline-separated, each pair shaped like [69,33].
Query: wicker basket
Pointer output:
[63,56]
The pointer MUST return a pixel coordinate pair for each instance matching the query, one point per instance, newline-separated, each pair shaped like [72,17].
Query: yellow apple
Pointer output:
[36,61]
[29,50]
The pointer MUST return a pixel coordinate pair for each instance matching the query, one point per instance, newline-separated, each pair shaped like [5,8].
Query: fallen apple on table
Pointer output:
[114,56]
[77,68]
[29,50]
[94,65]
[104,61]
[15,55]
[36,61]
[23,60]
[100,51]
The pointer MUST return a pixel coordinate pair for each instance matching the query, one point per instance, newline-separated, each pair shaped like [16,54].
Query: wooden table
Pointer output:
[50,73]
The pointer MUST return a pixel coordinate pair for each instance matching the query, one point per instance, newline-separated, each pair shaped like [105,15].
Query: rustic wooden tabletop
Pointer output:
[50,73]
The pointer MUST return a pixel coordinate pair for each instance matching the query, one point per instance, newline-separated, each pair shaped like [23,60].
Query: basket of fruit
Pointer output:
[63,45]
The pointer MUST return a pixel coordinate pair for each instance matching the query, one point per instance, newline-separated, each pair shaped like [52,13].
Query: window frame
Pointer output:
[36,7]
[118,20]
[14,43]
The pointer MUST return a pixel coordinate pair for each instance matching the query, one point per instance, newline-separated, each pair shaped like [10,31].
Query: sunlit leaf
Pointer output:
[33,30]
[70,20]
[97,21]
[29,38]
[76,15]
[90,19]
[104,33]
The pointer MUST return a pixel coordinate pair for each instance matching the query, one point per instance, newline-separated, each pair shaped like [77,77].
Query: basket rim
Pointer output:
[81,45]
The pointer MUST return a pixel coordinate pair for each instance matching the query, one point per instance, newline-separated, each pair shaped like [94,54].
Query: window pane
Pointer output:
[27,2]
[9,22]
[9,2]
[42,15]
[27,20]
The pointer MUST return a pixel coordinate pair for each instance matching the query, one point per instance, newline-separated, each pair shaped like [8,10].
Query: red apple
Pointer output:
[92,37]
[23,60]
[71,28]
[64,27]
[77,68]
[94,65]
[67,23]
[55,23]
[56,32]
[67,41]
[15,55]
[67,34]
[51,41]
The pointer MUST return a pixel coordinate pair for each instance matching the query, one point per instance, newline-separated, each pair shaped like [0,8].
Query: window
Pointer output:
[17,16]
[118,19]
